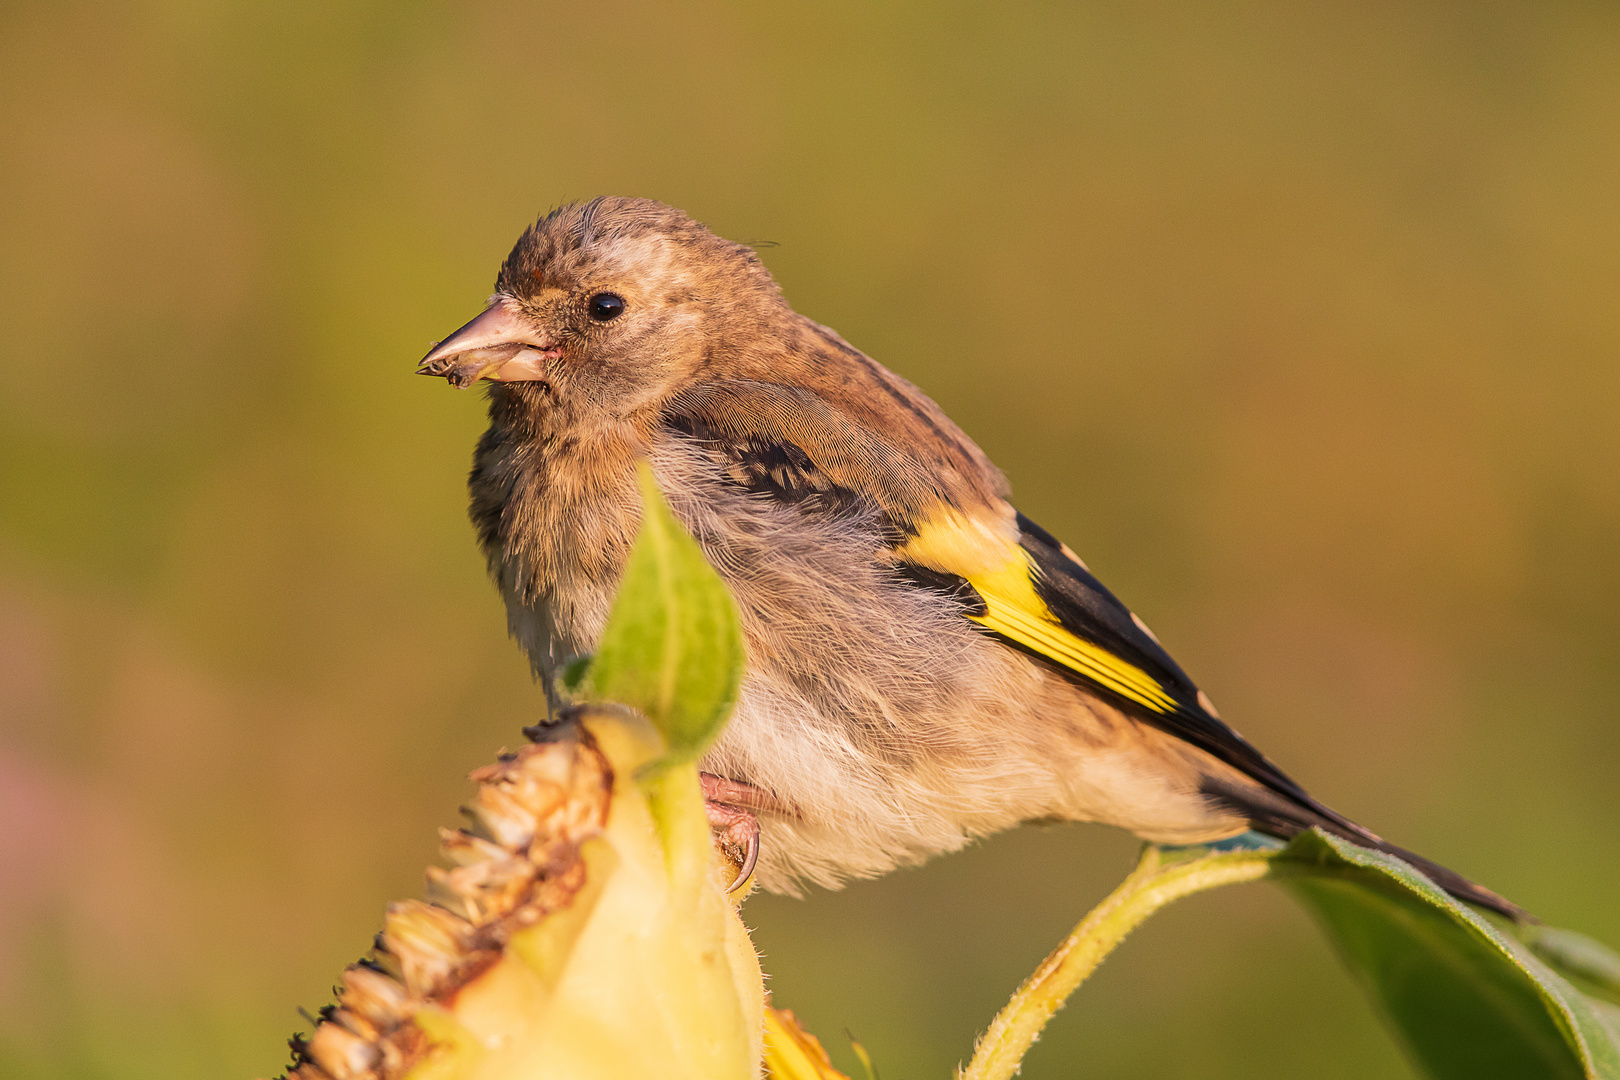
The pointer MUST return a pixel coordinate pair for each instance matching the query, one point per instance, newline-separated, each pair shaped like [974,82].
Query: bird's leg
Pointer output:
[735,826]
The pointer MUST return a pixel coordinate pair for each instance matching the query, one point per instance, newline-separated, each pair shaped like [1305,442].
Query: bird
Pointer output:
[925,665]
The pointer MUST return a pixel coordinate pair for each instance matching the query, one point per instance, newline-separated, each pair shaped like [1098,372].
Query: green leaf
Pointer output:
[1589,964]
[672,648]
[1467,999]
[573,674]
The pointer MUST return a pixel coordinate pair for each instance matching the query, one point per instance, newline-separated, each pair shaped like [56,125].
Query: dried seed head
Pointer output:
[341,1054]
[431,945]
[482,891]
[376,997]
[520,862]
[465,849]
[501,815]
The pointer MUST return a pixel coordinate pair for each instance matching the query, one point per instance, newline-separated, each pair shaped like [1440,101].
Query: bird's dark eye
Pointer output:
[606,306]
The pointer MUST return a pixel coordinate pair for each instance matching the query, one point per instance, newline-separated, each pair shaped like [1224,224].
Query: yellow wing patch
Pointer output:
[1001,571]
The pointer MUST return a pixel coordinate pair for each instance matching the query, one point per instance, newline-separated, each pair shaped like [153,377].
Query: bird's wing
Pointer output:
[1033,593]
[1024,586]
[808,447]
[945,527]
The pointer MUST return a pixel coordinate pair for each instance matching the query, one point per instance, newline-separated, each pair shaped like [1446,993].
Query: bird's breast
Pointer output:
[556,513]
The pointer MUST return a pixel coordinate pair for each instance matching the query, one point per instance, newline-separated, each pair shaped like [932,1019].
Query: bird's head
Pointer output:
[610,304]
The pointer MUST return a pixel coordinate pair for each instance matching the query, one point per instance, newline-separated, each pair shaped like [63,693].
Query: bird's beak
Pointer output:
[501,344]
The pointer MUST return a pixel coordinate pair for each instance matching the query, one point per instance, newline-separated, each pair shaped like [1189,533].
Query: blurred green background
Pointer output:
[1300,322]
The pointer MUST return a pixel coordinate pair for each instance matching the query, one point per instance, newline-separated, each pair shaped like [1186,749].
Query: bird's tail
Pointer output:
[1285,817]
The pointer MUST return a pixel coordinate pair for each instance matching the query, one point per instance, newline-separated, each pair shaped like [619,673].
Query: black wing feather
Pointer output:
[1083,606]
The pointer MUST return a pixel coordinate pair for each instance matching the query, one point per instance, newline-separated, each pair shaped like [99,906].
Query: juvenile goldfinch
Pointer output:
[925,664]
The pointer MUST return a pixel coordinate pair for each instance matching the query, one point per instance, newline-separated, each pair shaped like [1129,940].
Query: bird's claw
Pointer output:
[735,828]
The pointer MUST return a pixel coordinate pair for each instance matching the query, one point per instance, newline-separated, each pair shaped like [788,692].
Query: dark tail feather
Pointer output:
[1278,815]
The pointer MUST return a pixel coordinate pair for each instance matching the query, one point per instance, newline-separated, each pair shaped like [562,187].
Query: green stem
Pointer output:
[1153,884]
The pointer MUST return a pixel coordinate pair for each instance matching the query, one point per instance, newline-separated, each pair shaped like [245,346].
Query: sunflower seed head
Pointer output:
[517,863]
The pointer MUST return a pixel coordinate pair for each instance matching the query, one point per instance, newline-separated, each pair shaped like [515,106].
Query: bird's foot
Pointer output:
[736,829]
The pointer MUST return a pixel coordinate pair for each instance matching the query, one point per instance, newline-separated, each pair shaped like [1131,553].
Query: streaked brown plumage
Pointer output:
[924,664]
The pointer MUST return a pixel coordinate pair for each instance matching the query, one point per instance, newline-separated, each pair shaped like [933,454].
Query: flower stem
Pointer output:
[1154,883]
